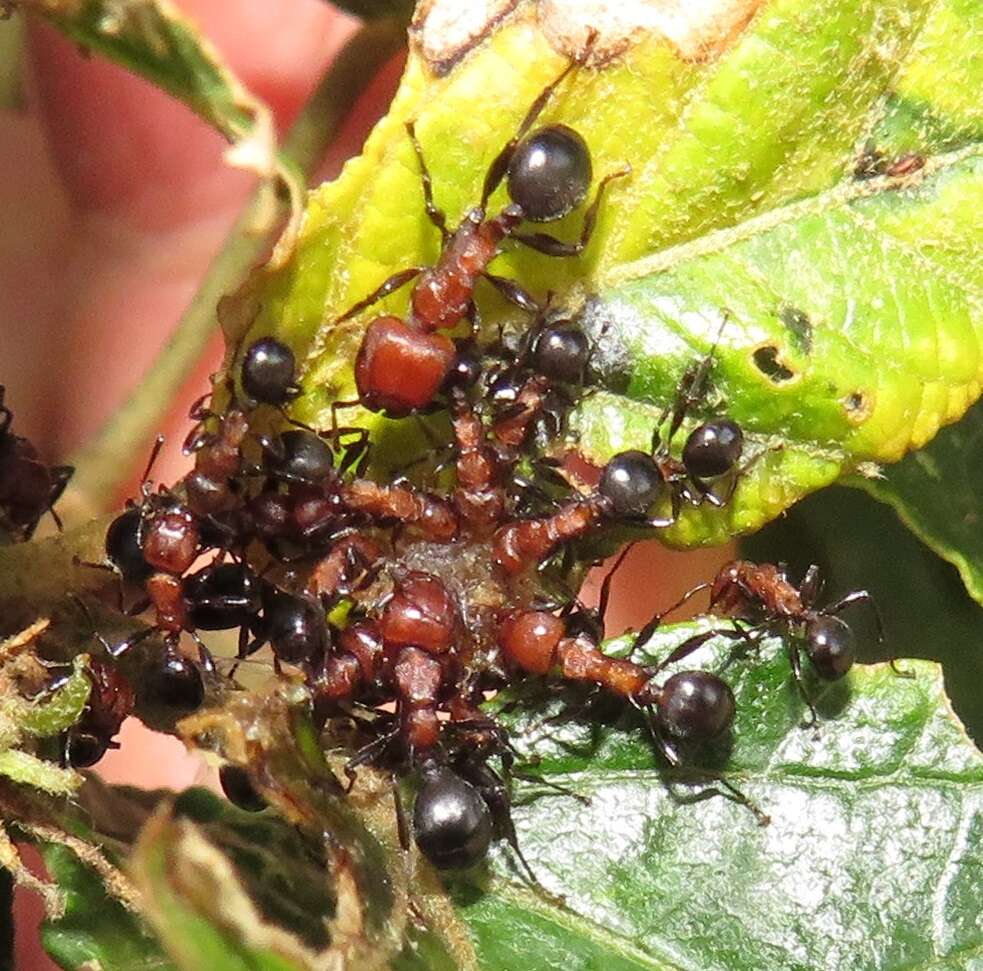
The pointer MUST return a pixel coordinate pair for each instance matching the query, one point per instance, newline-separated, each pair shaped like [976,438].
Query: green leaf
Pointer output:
[936,492]
[852,334]
[11,64]
[860,544]
[870,861]
[853,304]
[935,98]
[222,887]
[95,927]
[203,914]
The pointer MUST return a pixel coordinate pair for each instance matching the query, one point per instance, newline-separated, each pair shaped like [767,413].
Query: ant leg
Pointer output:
[494,790]
[551,246]
[388,286]
[500,164]
[665,522]
[118,650]
[730,791]
[205,655]
[402,820]
[735,477]
[649,629]
[694,643]
[198,412]
[368,753]
[514,293]
[811,586]
[61,475]
[434,212]
[795,661]
[510,772]
[859,596]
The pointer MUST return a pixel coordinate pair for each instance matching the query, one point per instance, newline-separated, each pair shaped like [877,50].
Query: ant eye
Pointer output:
[561,353]
[829,644]
[176,683]
[123,547]
[452,823]
[268,372]
[239,790]
[713,449]
[550,173]
[631,481]
[696,706]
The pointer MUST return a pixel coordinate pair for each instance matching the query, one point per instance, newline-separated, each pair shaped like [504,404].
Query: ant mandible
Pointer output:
[402,364]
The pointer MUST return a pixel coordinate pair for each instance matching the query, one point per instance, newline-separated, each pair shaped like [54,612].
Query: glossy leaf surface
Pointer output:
[872,819]
[853,302]
[937,493]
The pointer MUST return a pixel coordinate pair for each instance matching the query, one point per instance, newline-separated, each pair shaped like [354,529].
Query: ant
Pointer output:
[267,376]
[633,481]
[402,364]
[171,681]
[28,487]
[762,595]
[548,359]
[689,708]
[111,700]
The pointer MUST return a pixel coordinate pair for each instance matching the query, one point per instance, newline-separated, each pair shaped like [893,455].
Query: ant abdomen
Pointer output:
[631,481]
[452,823]
[174,683]
[713,449]
[550,173]
[830,646]
[695,706]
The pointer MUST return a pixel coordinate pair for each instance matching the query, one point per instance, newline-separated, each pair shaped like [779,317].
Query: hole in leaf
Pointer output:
[767,361]
[859,406]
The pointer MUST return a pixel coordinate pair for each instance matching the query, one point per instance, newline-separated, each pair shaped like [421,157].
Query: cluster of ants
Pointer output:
[403,603]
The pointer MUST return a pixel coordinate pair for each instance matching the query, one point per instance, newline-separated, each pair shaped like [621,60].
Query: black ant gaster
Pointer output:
[402,364]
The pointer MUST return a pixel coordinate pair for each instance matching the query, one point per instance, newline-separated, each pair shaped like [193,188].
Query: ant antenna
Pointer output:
[645,634]
[90,620]
[154,453]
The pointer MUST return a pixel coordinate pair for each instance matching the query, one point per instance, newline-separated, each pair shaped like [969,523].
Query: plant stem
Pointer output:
[104,463]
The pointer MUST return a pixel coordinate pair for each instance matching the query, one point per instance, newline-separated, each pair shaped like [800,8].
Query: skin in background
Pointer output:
[115,200]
